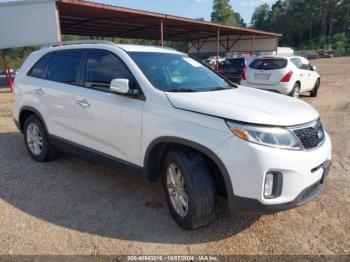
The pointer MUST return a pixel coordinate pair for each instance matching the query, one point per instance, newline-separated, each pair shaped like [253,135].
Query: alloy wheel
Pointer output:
[177,190]
[34,139]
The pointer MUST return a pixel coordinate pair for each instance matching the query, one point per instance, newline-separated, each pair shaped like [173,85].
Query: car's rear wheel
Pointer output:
[295,91]
[314,91]
[36,140]
[189,189]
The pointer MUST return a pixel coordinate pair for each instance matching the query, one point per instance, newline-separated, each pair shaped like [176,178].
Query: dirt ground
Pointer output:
[70,206]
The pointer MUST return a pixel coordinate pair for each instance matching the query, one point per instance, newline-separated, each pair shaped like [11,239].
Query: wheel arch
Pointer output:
[25,112]
[155,154]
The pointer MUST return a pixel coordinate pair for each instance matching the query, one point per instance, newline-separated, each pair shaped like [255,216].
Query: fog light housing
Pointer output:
[272,184]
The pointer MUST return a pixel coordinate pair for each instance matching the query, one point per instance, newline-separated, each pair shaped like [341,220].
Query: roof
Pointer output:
[92,44]
[146,48]
[94,19]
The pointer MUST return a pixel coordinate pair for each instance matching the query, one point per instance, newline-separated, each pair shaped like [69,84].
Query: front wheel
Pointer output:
[314,91]
[295,91]
[189,189]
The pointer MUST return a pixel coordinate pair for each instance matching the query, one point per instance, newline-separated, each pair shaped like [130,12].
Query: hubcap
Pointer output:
[177,190]
[34,139]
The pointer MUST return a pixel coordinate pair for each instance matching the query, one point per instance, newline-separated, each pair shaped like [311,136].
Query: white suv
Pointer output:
[285,75]
[162,114]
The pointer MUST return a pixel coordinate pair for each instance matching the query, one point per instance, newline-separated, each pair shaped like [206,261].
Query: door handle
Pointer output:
[39,91]
[83,103]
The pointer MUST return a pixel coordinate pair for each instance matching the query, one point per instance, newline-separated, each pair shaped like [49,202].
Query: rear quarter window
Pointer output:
[268,64]
[39,69]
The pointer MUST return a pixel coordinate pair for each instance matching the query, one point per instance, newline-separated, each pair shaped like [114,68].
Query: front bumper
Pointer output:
[246,206]
[303,174]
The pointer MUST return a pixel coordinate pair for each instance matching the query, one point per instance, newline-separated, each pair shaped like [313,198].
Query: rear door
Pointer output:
[266,71]
[310,76]
[59,92]
[301,73]
[108,123]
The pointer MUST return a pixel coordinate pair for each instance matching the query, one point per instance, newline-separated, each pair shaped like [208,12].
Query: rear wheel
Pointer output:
[295,91]
[189,189]
[36,140]
[314,91]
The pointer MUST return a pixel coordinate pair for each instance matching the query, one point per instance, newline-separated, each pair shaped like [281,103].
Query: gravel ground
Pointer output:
[70,206]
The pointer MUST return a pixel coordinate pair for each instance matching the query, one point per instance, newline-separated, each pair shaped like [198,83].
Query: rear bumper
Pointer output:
[242,205]
[282,88]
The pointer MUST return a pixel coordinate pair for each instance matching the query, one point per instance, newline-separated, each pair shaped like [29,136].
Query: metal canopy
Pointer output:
[93,19]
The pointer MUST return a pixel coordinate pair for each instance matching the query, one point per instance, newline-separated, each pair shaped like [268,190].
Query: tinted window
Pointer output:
[268,64]
[237,63]
[39,68]
[64,66]
[102,67]
[178,72]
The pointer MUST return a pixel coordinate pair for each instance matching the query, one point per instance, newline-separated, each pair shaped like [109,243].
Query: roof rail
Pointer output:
[77,42]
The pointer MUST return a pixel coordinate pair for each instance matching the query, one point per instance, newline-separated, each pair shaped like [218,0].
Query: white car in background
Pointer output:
[285,75]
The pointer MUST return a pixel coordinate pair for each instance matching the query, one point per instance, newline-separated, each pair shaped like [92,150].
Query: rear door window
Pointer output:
[268,64]
[39,69]
[297,62]
[64,66]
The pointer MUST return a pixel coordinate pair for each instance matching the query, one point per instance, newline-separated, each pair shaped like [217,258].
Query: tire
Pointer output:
[35,134]
[295,91]
[199,188]
[314,91]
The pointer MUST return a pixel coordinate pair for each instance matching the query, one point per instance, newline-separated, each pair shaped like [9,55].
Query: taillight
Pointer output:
[243,76]
[287,77]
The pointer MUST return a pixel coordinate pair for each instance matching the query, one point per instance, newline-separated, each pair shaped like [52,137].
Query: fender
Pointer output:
[206,151]
[36,112]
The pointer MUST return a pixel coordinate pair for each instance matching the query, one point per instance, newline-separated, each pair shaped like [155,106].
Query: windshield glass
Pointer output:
[178,72]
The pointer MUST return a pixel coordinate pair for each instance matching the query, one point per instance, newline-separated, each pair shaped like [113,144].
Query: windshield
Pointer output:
[178,72]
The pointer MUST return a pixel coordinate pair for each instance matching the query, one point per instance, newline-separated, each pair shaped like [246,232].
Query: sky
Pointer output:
[189,8]
[186,8]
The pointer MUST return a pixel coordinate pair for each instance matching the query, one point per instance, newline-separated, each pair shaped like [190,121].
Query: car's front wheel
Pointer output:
[189,188]
[36,140]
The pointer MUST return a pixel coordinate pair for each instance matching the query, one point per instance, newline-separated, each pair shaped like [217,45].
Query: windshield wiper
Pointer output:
[184,90]
[219,88]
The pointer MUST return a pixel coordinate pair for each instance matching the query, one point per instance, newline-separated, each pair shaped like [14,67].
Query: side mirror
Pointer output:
[120,86]
[313,68]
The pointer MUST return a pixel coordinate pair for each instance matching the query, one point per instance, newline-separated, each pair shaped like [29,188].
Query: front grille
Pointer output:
[310,135]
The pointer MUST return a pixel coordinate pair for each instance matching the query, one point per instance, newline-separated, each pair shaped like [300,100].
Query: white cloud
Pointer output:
[199,1]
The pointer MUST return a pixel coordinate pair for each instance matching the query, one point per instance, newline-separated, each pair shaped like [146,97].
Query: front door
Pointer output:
[109,123]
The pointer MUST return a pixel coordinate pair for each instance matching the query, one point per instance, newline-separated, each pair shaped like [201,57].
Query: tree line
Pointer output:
[306,24]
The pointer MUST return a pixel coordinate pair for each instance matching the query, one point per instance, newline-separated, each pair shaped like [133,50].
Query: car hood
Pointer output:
[246,105]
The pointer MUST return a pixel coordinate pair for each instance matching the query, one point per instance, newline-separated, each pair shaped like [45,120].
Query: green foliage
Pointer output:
[306,23]
[261,17]
[224,14]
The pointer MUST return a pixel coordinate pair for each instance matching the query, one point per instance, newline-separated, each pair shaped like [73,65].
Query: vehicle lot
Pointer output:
[71,206]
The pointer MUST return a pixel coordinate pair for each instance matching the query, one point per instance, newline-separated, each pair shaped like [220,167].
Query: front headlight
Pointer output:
[268,136]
